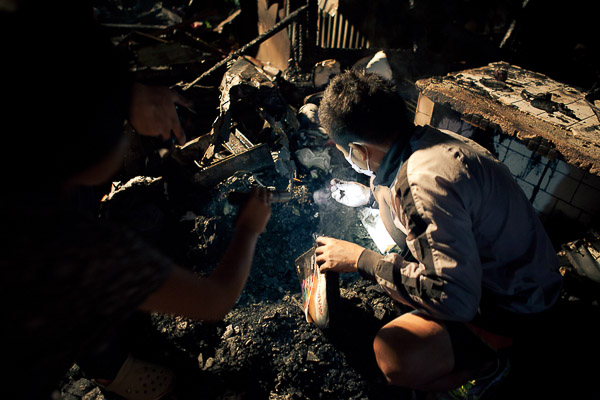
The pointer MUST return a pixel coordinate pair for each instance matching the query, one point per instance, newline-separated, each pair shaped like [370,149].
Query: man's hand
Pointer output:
[255,213]
[152,111]
[337,255]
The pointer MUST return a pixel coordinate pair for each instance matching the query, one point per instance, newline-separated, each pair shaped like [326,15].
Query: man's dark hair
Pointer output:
[362,107]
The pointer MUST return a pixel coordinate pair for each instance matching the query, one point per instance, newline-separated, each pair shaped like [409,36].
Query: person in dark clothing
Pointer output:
[71,283]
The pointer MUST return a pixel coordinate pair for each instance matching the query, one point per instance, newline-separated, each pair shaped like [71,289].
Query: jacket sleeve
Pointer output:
[444,279]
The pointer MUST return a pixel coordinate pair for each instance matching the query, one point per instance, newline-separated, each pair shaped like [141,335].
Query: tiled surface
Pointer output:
[569,170]
[526,186]
[520,80]
[560,185]
[542,108]
[520,148]
[534,170]
[562,190]
[516,162]
[544,203]
[553,186]
[587,198]
[501,151]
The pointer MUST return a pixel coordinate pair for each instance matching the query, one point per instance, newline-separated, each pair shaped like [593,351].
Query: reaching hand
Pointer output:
[152,111]
[351,194]
[255,214]
[337,255]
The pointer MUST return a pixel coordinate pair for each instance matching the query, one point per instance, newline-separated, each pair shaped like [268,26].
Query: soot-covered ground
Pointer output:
[265,349]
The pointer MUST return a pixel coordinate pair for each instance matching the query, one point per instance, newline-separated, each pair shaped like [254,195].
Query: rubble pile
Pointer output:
[264,348]
[252,127]
[265,132]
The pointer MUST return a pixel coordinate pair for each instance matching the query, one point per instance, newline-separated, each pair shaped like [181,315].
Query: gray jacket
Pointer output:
[472,233]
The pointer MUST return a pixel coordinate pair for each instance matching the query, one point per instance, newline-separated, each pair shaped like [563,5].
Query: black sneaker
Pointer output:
[477,388]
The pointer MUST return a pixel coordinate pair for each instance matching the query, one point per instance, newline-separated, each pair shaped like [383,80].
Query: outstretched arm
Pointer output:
[211,298]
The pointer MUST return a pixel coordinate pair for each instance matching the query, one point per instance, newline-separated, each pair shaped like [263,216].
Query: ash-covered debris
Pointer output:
[264,348]
[580,267]
[264,131]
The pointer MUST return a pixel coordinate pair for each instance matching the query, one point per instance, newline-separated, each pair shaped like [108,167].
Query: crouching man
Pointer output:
[478,264]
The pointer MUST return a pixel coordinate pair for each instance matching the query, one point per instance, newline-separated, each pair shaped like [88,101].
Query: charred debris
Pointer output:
[253,123]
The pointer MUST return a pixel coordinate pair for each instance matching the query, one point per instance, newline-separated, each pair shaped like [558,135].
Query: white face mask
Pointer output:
[367,171]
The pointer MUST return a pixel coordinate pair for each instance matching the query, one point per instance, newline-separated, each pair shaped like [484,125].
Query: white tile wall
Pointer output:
[516,162]
[586,198]
[544,203]
[520,148]
[561,189]
[553,186]
[570,170]
[501,151]
[526,186]
[559,185]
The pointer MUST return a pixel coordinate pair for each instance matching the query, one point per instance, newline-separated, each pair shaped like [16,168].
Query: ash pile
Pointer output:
[266,133]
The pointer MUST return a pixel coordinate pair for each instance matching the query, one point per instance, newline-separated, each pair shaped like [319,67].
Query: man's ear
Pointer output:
[359,151]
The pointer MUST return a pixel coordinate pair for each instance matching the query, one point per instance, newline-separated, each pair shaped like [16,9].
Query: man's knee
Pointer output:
[390,359]
[395,356]
[412,352]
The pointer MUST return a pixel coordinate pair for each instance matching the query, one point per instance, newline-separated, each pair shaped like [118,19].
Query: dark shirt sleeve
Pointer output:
[367,262]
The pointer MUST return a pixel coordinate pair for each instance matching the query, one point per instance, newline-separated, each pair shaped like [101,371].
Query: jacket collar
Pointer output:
[392,161]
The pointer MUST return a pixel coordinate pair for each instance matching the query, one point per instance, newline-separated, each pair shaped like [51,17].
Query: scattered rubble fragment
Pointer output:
[580,267]
[584,256]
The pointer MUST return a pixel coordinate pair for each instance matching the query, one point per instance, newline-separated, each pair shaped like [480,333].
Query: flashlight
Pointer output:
[238,198]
